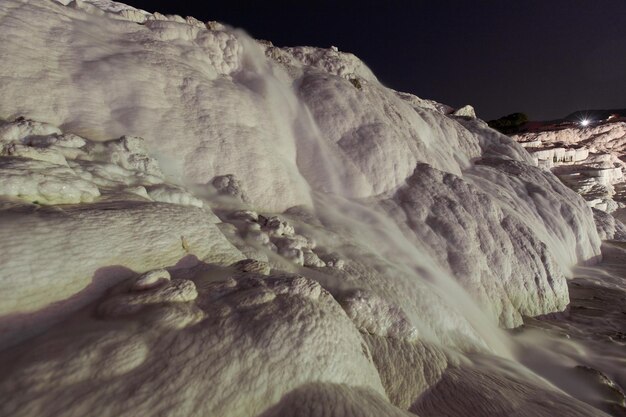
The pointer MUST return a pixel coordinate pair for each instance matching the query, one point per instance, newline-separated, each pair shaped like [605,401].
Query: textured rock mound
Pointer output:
[239,332]
[122,224]
[453,215]
[609,228]
[482,390]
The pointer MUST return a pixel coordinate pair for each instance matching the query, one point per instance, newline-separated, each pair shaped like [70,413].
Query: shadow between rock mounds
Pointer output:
[17,327]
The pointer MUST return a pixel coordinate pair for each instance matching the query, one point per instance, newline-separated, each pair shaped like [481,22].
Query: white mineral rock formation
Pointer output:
[601,137]
[195,223]
[465,111]
[587,159]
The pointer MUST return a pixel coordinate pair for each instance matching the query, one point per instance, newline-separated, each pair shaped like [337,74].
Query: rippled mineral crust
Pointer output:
[196,223]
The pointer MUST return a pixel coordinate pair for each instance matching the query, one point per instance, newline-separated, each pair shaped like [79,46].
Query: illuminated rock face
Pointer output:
[586,158]
[601,137]
[196,223]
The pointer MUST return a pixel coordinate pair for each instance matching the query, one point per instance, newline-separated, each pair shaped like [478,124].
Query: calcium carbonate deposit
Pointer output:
[586,158]
[196,223]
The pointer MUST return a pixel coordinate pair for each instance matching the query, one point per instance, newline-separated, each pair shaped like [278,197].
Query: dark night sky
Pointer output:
[547,58]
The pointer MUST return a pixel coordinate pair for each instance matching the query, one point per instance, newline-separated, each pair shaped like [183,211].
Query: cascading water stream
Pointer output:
[330,187]
[461,322]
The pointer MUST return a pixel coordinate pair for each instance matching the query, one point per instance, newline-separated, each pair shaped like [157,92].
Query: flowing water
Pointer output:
[568,350]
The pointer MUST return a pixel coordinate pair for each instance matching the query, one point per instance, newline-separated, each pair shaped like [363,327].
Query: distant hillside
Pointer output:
[517,123]
[594,114]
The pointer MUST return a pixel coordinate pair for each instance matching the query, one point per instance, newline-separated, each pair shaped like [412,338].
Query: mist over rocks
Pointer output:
[197,223]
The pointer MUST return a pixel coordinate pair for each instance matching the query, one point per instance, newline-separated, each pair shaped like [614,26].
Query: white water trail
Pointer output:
[372,228]
[444,313]
[442,310]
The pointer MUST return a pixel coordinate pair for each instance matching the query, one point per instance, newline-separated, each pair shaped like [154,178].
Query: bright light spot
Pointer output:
[584,122]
